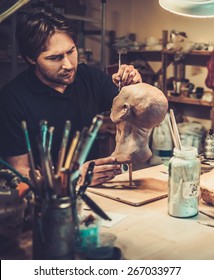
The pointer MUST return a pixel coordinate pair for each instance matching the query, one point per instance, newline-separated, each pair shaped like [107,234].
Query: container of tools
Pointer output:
[55,222]
[53,229]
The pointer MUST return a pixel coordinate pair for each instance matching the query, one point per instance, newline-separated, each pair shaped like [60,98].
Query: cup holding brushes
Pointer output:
[55,190]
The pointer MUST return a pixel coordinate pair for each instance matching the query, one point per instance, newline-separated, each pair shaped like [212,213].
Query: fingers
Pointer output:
[101,177]
[101,161]
[105,169]
[127,75]
[134,77]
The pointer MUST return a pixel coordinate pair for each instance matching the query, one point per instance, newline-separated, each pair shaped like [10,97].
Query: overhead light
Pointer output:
[8,7]
[191,8]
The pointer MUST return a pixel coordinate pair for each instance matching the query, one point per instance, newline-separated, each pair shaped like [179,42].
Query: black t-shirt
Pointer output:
[27,98]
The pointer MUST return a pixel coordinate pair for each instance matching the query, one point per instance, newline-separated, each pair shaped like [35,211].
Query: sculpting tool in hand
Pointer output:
[88,179]
[119,64]
[81,192]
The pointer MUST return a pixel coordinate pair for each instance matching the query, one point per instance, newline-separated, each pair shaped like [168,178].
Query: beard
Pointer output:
[66,77]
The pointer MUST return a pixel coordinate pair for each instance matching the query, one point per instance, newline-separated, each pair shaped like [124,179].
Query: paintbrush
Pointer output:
[44,131]
[119,64]
[50,140]
[90,137]
[72,148]
[87,144]
[62,150]
[30,154]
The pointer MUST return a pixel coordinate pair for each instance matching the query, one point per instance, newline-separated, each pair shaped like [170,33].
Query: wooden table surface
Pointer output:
[148,231]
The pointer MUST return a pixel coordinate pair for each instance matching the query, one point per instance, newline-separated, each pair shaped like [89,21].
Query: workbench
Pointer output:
[148,232]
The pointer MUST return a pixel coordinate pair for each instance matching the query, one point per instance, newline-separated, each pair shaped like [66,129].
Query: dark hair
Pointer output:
[34,29]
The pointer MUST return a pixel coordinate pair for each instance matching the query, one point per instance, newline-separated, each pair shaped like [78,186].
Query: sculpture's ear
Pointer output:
[125,111]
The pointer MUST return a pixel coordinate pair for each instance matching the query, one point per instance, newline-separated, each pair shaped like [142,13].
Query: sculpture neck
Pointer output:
[131,143]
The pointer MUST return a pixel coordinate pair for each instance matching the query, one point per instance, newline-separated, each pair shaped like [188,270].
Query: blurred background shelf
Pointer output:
[188,100]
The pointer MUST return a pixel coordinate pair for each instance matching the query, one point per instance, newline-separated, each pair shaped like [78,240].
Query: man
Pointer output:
[55,88]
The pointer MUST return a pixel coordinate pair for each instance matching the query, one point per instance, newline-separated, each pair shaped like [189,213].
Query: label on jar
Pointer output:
[190,189]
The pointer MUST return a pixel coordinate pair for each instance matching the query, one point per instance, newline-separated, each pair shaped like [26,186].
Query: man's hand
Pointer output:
[126,75]
[105,169]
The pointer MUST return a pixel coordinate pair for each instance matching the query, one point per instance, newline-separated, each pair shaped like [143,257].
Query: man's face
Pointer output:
[57,65]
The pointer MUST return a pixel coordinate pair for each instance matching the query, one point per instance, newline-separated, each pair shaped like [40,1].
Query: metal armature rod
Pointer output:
[103,23]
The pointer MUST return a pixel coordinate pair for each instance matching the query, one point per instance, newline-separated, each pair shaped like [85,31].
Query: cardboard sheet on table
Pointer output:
[147,190]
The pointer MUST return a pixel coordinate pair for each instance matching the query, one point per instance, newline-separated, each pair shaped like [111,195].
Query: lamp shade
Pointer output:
[191,8]
[8,7]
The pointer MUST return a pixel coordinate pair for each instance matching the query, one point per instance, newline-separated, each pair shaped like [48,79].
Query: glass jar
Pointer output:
[183,183]
[54,229]
[209,145]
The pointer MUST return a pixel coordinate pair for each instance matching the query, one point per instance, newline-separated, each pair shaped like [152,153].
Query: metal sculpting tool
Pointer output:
[119,64]
[81,192]
[130,174]
[88,178]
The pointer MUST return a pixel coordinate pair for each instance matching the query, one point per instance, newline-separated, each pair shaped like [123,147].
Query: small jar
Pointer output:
[183,183]
[209,145]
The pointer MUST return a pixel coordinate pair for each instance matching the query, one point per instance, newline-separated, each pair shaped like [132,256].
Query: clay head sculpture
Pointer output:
[135,111]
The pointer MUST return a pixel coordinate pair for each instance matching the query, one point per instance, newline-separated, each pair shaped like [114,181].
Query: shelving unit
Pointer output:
[191,106]
[188,100]
[100,32]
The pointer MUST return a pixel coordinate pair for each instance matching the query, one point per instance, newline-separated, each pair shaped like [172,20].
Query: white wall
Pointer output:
[149,19]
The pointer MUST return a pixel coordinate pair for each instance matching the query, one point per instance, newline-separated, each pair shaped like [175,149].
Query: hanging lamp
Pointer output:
[191,8]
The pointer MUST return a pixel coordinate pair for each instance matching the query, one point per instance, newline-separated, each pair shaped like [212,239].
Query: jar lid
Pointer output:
[186,151]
